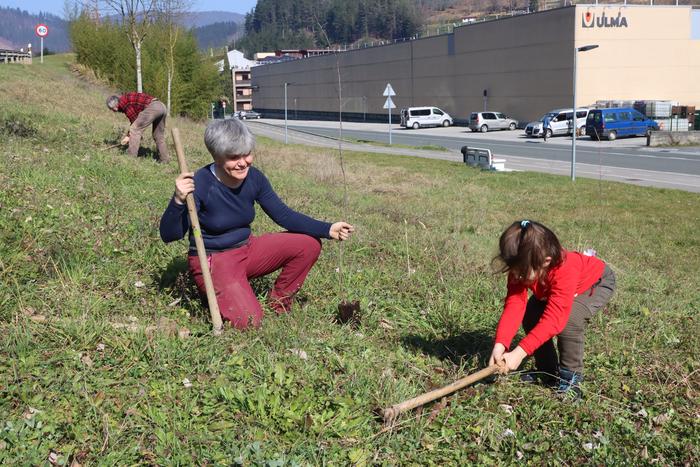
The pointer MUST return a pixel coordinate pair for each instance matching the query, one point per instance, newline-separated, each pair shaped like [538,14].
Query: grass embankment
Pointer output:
[79,251]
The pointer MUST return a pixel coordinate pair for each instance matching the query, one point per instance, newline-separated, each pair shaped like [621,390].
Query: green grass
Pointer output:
[79,251]
[426,147]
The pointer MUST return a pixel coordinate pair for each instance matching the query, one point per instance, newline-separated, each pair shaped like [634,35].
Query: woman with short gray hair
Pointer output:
[225,193]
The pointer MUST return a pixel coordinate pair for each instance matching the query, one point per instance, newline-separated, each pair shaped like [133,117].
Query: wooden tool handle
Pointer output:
[392,412]
[217,324]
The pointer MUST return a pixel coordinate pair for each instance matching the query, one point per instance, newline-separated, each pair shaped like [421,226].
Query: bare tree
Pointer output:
[170,12]
[136,17]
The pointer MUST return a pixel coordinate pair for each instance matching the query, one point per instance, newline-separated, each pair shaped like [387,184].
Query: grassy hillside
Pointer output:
[91,302]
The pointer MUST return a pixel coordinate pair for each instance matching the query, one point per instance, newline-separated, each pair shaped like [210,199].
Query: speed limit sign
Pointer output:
[41,30]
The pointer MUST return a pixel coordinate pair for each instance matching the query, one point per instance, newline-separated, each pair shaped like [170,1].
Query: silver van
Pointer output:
[487,121]
[416,117]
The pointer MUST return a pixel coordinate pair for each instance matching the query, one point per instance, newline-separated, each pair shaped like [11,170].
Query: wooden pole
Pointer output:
[199,242]
[392,412]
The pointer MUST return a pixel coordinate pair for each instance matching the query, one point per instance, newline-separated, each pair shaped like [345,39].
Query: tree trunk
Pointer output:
[170,84]
[139,79]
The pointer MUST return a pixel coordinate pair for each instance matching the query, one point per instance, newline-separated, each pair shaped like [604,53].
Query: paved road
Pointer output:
[625,160]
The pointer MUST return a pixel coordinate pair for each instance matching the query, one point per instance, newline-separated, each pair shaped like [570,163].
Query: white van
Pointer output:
[416,117]
[559,122]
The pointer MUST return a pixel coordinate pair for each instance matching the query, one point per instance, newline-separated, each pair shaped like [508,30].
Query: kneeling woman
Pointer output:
[225,193]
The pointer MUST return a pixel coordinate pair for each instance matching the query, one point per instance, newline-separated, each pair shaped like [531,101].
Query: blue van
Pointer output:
[612,123]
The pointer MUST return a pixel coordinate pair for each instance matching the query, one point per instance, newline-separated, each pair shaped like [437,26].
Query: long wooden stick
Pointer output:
[392,412]
[199,242]
[111,147]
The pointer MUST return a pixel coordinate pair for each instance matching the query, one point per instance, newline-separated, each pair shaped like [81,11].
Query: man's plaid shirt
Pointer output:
[132,103]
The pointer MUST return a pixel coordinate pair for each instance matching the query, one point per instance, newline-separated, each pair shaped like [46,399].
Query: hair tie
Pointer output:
[524,224]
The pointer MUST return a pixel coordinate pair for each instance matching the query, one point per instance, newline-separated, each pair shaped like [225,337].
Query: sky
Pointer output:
[56,7]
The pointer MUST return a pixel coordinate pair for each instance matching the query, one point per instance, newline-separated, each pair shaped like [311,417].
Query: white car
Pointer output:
[559,123]
[417,117]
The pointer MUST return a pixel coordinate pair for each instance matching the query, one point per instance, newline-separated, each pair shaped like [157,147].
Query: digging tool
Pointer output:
[111,147]
[389,414]
[199,242]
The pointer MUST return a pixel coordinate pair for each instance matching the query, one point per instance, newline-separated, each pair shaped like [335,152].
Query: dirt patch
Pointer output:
[17,125]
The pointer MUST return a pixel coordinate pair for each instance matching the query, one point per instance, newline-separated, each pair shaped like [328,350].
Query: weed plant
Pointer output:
[80,255]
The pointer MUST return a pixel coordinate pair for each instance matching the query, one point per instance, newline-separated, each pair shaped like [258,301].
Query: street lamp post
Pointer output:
[285,110]
[574,123]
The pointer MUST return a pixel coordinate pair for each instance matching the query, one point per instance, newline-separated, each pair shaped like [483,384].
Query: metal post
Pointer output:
[285,113]
[42,50]
[573,125]
[390,125]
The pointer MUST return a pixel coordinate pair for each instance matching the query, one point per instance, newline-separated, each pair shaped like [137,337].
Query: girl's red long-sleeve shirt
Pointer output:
[576,274]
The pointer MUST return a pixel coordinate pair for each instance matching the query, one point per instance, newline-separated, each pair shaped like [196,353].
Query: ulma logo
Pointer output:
[589,20]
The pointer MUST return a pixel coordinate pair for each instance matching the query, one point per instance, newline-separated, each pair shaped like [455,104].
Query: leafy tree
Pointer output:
[136,16]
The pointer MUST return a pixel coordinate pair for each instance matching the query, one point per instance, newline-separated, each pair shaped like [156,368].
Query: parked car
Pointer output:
[416,117]
[559,123]
[613,123]
[248,114]
[486,121]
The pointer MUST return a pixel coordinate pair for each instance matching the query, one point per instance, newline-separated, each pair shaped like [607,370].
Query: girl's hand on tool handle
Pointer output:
[497,354]
[341,231]
[514,358]
[510,360]
[184,185]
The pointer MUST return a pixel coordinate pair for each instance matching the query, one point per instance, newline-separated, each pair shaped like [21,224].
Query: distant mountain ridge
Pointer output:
[198,19]
[17,28]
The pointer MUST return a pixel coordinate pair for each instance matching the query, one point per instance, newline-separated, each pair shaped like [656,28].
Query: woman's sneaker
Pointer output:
[570,385]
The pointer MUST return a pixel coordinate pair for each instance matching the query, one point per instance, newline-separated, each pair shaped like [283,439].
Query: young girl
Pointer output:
[567,290]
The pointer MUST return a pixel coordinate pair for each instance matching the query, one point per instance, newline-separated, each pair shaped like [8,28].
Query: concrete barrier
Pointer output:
[674,138]
[478,157]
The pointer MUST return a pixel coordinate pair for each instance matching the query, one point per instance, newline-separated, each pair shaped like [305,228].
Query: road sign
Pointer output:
[41,30]
[389,104]
[388,91]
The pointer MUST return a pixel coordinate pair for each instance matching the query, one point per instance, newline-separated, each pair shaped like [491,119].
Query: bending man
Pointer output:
[142,110]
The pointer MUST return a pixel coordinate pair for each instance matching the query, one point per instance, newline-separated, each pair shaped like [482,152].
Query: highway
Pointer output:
[626,160]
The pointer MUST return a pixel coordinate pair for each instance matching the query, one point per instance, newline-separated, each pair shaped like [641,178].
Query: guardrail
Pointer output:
[15,56]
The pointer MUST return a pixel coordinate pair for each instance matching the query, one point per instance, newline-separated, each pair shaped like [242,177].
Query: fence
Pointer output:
[14,56]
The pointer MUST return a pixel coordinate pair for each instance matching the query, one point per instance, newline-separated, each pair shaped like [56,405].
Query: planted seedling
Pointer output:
[349,312]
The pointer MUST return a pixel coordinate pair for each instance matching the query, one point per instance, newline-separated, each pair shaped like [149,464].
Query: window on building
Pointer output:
[695,25]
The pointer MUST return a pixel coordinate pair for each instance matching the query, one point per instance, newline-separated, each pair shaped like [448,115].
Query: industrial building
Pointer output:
[521,65]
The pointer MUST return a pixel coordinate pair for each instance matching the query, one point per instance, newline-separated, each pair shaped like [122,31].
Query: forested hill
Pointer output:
[280,24]
[276,24]
[17,29]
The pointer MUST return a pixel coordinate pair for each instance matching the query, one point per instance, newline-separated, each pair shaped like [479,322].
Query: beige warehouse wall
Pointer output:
[653,57]
[364,75]
[525,63]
